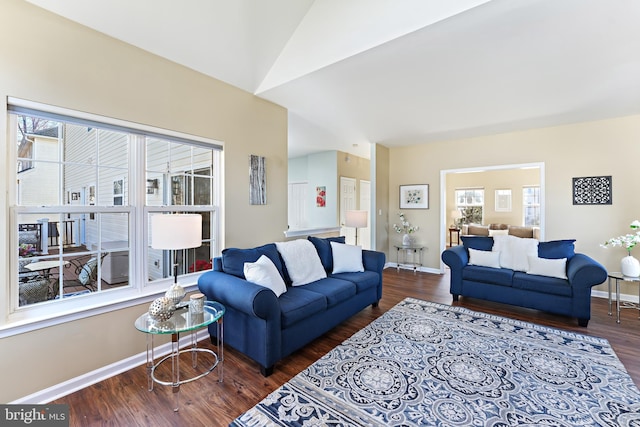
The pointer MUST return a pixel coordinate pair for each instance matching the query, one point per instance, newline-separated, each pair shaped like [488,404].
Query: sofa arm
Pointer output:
[583,271]
[455,257]
[373,260]
[244,296]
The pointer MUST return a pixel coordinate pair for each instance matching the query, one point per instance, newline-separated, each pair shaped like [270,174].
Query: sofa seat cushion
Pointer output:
[542,284]
[299,303]
[497,276]
[335,290]
[364,280]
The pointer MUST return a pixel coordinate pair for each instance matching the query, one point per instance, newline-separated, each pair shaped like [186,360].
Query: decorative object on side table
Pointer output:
[406,229]
[161,309]
[176,232]
[629,265]
[456,215]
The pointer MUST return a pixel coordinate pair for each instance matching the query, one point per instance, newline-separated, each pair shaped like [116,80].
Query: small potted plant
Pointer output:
[406,229]
[629,265]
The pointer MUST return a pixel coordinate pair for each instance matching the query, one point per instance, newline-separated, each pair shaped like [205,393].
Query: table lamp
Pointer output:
[356,219]
[455,216]
[176,232]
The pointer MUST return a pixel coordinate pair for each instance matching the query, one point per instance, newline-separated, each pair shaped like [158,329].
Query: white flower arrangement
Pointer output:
[405,227]
[627,241]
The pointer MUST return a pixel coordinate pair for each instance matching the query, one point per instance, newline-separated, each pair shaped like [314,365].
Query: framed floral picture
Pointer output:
[321,196]
[414,196]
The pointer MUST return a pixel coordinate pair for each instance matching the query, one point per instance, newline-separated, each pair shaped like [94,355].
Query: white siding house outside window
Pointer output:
[81,209]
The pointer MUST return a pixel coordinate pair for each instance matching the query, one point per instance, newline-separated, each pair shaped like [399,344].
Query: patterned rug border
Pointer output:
[427,363]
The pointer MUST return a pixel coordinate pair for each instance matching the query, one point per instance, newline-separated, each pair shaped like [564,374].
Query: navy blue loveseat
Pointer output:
[267,328]
[570,296]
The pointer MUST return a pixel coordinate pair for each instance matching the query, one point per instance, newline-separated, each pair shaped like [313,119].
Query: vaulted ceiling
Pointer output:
[396,72]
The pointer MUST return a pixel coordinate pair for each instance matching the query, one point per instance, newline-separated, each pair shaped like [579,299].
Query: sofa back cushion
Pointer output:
[524,232]
[479,243]
[323,246]
[233,259]
[346,258]
[264,273]
[557,249]
[478,230]
[514,251]
[484,258]
[302,262]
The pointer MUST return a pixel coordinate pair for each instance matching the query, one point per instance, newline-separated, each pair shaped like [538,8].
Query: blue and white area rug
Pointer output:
[427,364]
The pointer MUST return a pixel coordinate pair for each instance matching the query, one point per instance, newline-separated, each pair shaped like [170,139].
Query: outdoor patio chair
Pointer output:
[34,289]
[86,272]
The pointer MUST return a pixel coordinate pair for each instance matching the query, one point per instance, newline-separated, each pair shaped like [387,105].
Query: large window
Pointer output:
[470,203]
[86,188]
[531,208]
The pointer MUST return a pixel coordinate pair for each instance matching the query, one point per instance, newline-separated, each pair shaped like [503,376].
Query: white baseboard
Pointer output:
[407,267]
[78,383]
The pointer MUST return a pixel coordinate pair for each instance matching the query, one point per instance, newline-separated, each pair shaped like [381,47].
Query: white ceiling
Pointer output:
[396,72]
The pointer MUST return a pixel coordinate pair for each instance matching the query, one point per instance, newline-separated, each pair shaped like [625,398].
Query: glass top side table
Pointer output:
[183,321]
[618,277]
[416,256]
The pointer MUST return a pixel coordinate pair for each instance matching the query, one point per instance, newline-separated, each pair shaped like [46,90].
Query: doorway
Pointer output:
[491,188]
[347,203]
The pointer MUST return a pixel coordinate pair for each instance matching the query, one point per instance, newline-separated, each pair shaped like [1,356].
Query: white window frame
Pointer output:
[472,204]
[18,320]
[526,205]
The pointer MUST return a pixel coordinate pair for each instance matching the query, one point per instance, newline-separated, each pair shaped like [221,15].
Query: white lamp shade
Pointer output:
[455,214]
[176,231]
[357,219]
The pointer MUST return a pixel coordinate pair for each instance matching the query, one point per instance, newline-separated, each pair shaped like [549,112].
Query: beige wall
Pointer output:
[48,59]
[358,168]
[607,147]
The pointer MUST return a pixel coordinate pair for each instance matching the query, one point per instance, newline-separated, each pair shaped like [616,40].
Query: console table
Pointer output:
[183,321]
[416,256]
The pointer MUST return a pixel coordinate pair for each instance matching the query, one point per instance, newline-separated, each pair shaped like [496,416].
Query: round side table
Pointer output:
[183,321]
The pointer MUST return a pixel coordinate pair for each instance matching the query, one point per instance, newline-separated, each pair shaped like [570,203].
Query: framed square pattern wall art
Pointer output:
[592,190]
[414,196]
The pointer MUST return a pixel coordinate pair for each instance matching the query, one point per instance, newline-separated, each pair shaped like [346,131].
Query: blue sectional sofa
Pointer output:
[570,296]
[266,327]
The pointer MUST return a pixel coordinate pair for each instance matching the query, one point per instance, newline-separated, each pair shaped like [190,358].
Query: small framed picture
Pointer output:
[503,200]
[414,196]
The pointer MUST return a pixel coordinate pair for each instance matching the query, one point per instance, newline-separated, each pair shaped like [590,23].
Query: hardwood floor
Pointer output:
[124,400]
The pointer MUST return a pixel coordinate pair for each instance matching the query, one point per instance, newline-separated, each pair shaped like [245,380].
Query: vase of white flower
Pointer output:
[406,229]
[629,265]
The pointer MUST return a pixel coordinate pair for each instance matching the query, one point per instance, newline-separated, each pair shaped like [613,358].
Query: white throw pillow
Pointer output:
[302,261]
[484,258]
[346,258]
[548,267]
[263,272]
[514,251]
[498,233]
